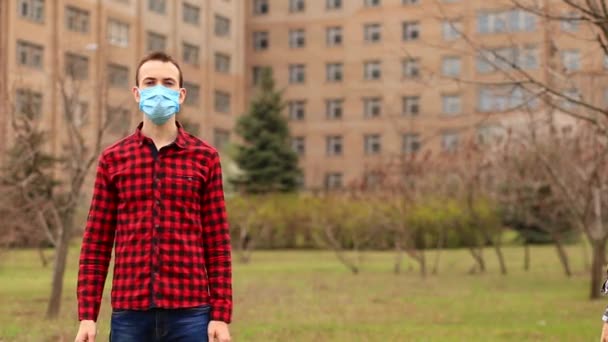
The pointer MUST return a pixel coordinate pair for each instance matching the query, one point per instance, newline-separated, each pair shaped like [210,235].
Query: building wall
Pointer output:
[431,47]
[56,39]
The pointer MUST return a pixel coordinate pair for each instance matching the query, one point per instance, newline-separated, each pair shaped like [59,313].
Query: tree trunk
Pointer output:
[597,267]
[501,259]
[61,257]
[440,244]
[398,257]
[422,260]
[563,257]
[477,254]
[526,256]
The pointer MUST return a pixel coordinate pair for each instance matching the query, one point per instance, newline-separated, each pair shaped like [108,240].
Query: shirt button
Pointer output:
[158,203]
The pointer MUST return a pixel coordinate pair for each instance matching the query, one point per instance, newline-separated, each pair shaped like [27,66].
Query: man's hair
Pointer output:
[163,57]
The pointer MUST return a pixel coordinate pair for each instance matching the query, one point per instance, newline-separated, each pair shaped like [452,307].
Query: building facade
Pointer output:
[91,48]
[365,81]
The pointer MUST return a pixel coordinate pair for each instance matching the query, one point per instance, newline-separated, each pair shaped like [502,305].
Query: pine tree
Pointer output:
[266,158]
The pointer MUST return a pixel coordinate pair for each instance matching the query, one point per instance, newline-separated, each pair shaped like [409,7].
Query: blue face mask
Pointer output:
[159,103]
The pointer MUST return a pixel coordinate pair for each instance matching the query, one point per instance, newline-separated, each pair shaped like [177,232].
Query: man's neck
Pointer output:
[162,135]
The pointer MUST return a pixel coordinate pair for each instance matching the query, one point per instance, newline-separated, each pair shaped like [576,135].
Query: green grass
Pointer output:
[309,296]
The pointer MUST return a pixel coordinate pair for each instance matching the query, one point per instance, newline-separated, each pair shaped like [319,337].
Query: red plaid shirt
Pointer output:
[164,212]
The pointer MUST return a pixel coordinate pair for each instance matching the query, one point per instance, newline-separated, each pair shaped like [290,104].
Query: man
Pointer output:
[158,198]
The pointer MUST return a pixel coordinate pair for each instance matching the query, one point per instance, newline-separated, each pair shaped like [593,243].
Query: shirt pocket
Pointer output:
[183,191]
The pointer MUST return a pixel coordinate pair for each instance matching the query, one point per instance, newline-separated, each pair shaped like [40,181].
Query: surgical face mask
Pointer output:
[159,103]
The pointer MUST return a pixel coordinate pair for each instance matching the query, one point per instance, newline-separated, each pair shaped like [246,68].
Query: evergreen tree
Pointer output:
[266,159]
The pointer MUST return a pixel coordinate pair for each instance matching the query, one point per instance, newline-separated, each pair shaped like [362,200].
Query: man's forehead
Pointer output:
[158,69]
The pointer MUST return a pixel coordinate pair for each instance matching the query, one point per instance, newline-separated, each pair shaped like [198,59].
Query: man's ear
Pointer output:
[136,95]
[182,95]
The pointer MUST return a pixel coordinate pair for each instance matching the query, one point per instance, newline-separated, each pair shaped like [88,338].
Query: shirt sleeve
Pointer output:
[216,239]
[96,250]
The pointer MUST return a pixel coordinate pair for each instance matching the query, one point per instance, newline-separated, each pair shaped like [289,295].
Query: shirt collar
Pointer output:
[180,140]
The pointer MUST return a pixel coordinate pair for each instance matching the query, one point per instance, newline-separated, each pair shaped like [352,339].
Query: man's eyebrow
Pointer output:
[169,79]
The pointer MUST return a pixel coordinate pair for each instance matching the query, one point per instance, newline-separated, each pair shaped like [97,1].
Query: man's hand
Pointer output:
[218,332]
[86,332]
[605,333]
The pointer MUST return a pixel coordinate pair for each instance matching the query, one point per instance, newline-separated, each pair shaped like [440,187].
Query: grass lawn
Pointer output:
[309,296]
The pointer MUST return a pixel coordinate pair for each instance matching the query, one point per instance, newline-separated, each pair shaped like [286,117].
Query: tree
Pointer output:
[50,194]
[267,160]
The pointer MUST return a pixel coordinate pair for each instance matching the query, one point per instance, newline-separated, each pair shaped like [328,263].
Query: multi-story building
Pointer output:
[370,80]
[365,81]
[90,48]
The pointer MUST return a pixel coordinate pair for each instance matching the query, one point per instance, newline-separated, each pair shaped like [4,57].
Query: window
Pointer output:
[372,33]
[505,98]
[260,7]
[32,10]
[372,144]
[118,33]
[221,102]
[297,6]
[297,110]
[221,138]
[334,145]
[515,20]
[260,40]
[411,105]
[528,57]
[333,181]
[257,72]
[76,66]
[570,22]
[372,107]
[334,36]
[410,143]
[222,26]
[298,144]
[489,133]
[411,68]
[28,103]
[334,72]
[450,66]
[191,127]
[449,141]
[190,53]
[29,54]
[452,30]
[372,70]
[158,6]
[571,59]
[297,38]
[451,104]
[297,73]
[118,75]
[192,93]
[505,58]
[333,109]
[79,115]
[570,97]
[76,19]
[191,14]
[333,4]
[117,116]
[411,30]
[222,63]
[156,42]
[372,3]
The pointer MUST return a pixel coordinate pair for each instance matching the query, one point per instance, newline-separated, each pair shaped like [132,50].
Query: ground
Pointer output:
[309,296]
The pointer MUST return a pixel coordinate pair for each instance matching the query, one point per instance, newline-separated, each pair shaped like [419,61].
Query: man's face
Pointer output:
[153,73]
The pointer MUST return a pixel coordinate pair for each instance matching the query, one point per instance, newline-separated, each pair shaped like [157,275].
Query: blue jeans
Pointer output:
[160,325]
